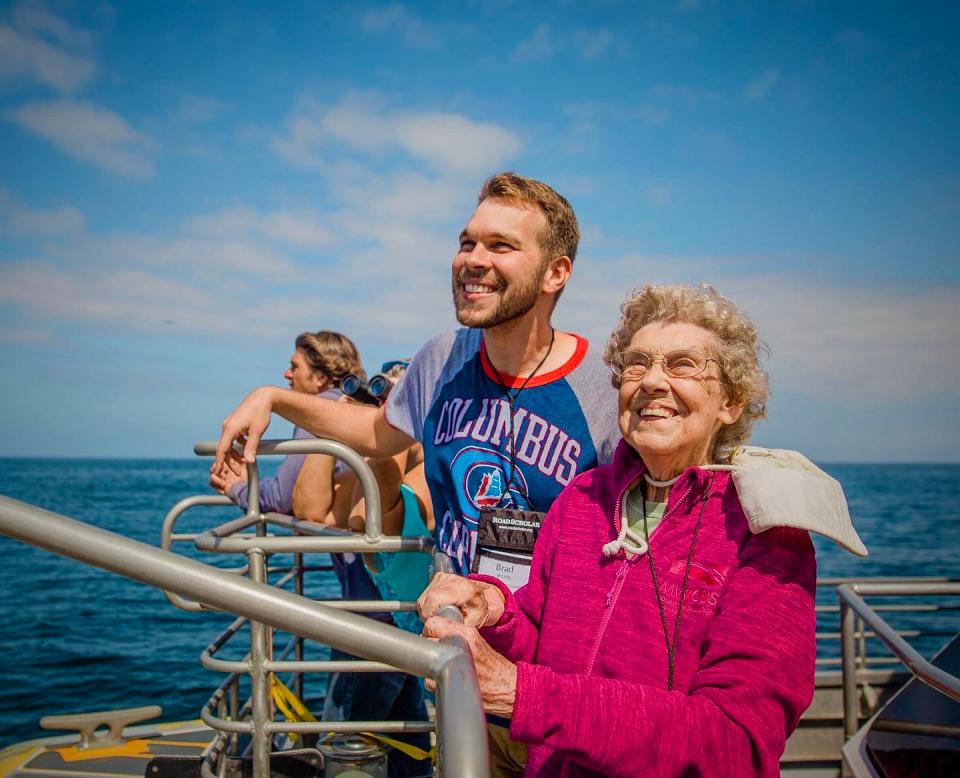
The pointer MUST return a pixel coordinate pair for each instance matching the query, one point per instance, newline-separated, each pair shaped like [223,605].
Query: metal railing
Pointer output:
[251,533]
[919,615]
[856,615]
[447,662]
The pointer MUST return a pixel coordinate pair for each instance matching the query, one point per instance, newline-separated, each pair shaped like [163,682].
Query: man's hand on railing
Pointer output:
[246,426]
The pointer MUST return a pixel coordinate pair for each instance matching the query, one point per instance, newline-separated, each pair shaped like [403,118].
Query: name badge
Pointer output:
[511,569]
[505,541]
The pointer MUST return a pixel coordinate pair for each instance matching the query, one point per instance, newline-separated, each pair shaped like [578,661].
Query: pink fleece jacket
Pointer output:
[588,638]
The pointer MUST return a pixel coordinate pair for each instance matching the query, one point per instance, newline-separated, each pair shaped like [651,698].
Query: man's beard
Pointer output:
[515,301]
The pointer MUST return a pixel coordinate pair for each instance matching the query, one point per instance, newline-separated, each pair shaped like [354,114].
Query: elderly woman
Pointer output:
[658,634]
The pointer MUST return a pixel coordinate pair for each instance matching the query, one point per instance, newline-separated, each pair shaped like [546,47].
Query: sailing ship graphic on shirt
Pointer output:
[490,491]
[482,474]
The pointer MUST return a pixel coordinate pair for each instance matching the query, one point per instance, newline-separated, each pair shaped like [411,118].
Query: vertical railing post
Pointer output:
[861,632]
[851,701]
[223,761]
[259,677]
[298,560]
[253,489]
[233,694]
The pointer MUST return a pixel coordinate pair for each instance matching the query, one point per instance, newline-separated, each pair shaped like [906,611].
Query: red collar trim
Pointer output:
[515,382]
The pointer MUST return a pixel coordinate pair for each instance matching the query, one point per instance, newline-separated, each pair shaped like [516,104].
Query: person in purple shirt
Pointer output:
[319,362]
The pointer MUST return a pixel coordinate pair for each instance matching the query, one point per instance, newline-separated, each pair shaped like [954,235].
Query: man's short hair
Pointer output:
[561,234]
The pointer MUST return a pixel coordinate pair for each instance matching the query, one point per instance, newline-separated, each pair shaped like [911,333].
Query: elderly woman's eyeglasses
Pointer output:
[683,363]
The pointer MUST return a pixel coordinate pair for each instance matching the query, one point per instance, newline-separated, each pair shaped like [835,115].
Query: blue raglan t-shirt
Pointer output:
[451,400]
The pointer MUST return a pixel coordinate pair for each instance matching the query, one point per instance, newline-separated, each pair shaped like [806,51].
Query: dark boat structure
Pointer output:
[881,709]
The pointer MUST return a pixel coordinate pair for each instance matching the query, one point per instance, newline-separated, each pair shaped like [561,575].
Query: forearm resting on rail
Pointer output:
[363,428]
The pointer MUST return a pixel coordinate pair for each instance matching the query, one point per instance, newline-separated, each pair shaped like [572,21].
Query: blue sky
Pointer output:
[185,187]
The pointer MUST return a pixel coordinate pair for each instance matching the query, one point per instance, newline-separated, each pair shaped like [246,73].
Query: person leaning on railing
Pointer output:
[315,487]
[318,363]
[658,635]
[337,500]
[323,490]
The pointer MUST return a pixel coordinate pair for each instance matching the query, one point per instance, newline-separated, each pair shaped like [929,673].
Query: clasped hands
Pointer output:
[482,606]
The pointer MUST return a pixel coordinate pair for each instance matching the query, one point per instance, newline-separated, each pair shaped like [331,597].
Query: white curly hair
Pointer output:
[738,348]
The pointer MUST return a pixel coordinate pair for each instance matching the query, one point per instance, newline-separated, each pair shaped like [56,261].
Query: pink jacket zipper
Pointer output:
[608,607]
[614,593]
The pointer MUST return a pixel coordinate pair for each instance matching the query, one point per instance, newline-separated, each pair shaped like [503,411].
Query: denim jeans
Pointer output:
[376,696]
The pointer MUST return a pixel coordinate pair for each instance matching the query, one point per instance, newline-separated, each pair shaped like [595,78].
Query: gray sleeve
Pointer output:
[411,398]
[598,400]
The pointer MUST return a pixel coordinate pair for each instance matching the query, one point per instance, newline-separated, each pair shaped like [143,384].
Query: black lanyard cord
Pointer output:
[511,400]
[672,644]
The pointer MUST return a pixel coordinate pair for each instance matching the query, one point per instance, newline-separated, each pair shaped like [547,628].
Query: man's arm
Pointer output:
[362,427]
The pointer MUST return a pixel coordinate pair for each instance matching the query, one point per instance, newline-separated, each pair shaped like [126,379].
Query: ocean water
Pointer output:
[73,638]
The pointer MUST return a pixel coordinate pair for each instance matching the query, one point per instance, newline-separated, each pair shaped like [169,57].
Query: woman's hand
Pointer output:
[480,603]
[496,674]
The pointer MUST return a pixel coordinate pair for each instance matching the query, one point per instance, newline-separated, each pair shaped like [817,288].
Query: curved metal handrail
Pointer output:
[168,538]
[371,493]
[224,538]
[448,661]
[853,605]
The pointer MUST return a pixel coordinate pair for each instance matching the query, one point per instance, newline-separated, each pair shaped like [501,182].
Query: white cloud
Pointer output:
[25,336]
[400,20]
[38,47]
[593,120]
[690,96]
[36,19]
[136,300]
[357,124]
[761,86]
[592,43]
[447,141]
[52,221]
[225,273]
[297,228]
[401,308]
[302,144]
[658,195]
[409,197]
[198,109]
[208,255]
[652,115]
[542,44]
[222,272]
[546,42]
[91,134]
[849,345]
[454,142]
[858,344]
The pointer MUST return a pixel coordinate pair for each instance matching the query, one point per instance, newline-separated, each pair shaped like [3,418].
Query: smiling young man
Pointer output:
[508,409]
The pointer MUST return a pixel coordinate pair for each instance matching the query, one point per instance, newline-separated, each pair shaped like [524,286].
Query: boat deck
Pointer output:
[60,756]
